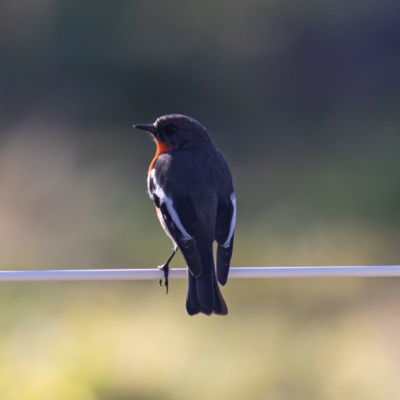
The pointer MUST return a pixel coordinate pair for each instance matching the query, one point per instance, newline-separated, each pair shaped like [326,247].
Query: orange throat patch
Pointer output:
[161,148]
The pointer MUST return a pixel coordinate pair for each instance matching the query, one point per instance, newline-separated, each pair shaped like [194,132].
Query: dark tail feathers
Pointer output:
[203,293]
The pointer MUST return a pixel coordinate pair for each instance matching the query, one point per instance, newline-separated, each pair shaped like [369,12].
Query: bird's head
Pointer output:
[177,131]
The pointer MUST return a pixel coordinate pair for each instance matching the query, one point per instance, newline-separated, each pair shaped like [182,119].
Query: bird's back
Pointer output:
[198,174]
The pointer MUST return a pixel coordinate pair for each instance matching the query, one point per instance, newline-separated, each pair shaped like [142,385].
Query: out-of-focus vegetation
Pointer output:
[302,98]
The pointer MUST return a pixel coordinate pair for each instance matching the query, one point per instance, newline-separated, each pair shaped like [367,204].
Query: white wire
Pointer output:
[181,273]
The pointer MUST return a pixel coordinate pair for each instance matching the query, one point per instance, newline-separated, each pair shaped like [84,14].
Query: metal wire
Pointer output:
[181,273]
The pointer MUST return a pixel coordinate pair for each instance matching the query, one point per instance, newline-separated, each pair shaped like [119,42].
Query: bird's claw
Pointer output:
[164,268]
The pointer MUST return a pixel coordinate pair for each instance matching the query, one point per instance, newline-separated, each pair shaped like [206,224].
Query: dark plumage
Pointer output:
[191,186]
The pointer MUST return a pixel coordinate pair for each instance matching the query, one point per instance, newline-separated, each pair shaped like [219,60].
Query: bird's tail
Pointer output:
[203,293]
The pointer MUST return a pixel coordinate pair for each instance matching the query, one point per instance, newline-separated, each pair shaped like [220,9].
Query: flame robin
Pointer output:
[191,186]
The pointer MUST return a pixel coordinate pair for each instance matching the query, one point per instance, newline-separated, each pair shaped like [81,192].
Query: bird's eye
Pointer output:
[171,128]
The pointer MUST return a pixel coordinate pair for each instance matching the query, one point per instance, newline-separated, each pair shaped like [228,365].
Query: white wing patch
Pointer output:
[164,199]
[164,225]
[233,222]
[149,178]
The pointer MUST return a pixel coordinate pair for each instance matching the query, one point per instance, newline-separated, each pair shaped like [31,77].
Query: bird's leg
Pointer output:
[165,268]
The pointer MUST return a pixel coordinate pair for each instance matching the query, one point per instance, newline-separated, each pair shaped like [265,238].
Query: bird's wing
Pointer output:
[224,234]
[177,217]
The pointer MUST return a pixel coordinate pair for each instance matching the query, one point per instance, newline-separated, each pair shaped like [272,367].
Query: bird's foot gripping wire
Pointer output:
[164,268]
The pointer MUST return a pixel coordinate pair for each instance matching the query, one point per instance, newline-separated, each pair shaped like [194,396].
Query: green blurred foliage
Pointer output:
[302,98]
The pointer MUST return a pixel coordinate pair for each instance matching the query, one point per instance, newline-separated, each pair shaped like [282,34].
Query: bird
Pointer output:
[191,186]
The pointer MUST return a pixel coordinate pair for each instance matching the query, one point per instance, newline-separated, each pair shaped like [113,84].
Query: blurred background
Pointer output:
[302,98]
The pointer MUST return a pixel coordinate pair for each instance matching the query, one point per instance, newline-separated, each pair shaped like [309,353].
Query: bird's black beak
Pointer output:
[146,127]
